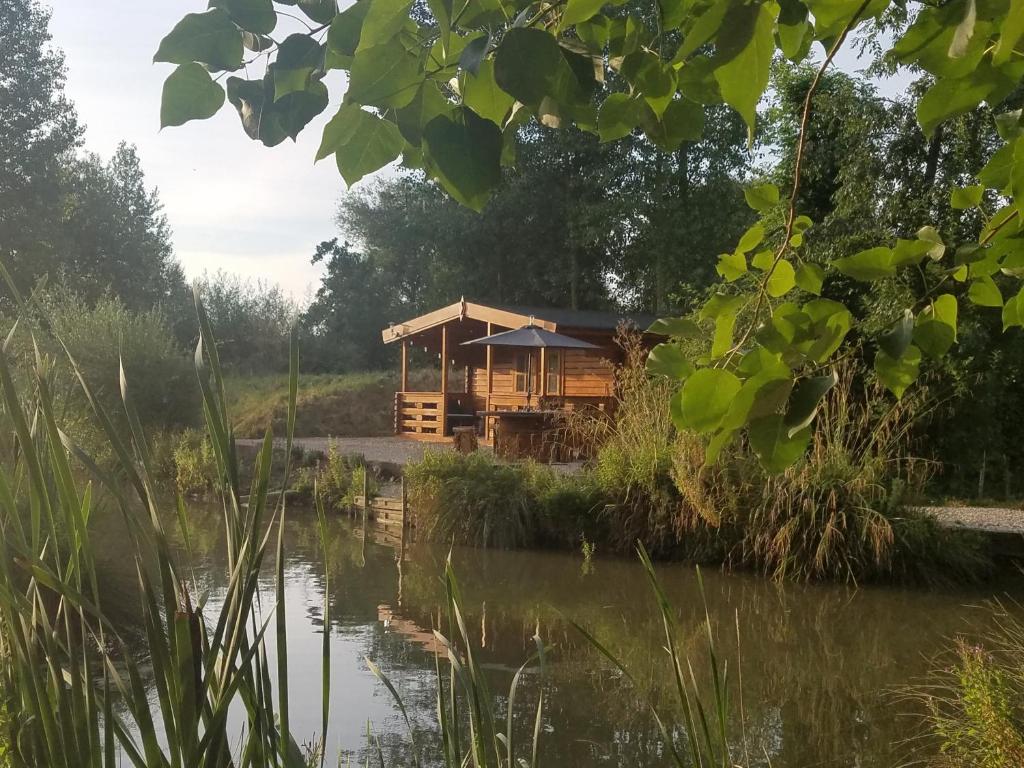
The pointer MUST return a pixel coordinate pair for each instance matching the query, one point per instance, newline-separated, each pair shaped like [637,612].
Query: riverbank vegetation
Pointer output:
[845,511]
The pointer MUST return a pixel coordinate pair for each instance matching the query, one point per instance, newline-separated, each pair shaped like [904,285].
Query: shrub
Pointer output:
[475,499]
[336,477]
[975,702]
[844,510]
[195,466]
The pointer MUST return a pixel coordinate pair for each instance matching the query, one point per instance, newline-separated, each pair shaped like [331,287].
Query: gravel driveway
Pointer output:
[988,519]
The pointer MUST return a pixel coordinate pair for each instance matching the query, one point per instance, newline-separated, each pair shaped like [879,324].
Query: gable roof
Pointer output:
[510,316]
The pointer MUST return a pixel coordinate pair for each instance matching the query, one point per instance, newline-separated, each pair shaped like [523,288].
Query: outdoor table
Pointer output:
[521,434]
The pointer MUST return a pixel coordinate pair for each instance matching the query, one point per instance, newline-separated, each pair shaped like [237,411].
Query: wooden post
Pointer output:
[542,385]
[490,385]
[405,366]
[366,493]
[405,517]
[444,378]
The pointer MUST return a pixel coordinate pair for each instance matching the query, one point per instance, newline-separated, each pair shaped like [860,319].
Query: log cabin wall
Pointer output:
[589,373]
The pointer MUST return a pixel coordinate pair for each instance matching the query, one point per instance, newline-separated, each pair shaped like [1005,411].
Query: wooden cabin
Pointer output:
[478,379]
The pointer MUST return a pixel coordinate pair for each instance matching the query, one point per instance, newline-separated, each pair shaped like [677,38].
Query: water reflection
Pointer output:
[818,663]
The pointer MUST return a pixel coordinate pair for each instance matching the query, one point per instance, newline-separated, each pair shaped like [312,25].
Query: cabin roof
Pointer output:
[510,316]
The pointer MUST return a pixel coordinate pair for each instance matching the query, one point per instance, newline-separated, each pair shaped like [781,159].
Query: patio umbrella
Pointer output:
[533,337]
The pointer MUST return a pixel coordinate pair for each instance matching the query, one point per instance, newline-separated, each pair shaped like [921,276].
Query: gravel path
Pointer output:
[988,519]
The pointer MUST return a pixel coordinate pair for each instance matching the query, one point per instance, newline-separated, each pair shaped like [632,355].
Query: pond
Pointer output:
[821,666]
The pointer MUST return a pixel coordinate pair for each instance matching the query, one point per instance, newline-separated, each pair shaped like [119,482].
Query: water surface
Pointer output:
[821,665]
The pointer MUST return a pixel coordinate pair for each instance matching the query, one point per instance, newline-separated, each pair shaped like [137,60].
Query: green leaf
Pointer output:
[464,154]
[810,277]
[384,76]
[428,104]
[956,96]
[985,293]
[909,252]
[731,266]
[254,101]
[966,197]
[761,395]
[937,326]
[751,239]
[346,27]
[931,236]
[830,322]
[896,374]
[1013,311]
[1010,33]
[897,338]
[210,37]
[189,94]
[803,404]
[320,11]
[775,448]
[482,94]
[743,57]
[782,279]
[762,197]
[683,120]
[706,398]
[618,115]
[473,54]
[256,16]
[297,57]
[869,265]
[577,11]
[362,142]
[529,65]
[384,19]
[676,327]
[668,360]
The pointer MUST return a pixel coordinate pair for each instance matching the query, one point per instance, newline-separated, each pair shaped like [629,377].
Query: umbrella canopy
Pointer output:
[531,336]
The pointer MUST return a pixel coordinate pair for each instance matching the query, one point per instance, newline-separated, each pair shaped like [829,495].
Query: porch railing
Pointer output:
[419,413]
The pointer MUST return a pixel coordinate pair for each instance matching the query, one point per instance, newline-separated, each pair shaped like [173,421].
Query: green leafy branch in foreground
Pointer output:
[446,87]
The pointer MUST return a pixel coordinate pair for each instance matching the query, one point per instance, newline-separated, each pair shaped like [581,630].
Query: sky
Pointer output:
[232,203]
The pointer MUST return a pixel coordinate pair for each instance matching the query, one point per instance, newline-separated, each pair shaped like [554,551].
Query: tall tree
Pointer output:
[39,134]
[117,238]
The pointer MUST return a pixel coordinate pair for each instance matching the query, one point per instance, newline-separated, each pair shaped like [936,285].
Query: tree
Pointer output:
[39,134]
[117,237]
[253,322]
[448,96]
[344,320]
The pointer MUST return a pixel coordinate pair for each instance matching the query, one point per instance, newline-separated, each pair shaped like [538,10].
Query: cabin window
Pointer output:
[519,374]
[553,374]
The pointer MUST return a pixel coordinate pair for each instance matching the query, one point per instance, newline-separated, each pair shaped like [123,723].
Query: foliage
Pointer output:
[355,300]
[975,700]
[195,466]
[475,499]
[442,94]
[254,322]
[334,479]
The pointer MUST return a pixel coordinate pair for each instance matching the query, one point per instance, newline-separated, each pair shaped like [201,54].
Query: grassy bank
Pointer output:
[328,405]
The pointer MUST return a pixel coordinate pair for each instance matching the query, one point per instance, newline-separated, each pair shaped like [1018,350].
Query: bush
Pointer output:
[194,463]
[842,512]
[975,702]
[336,477]
[475,499]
